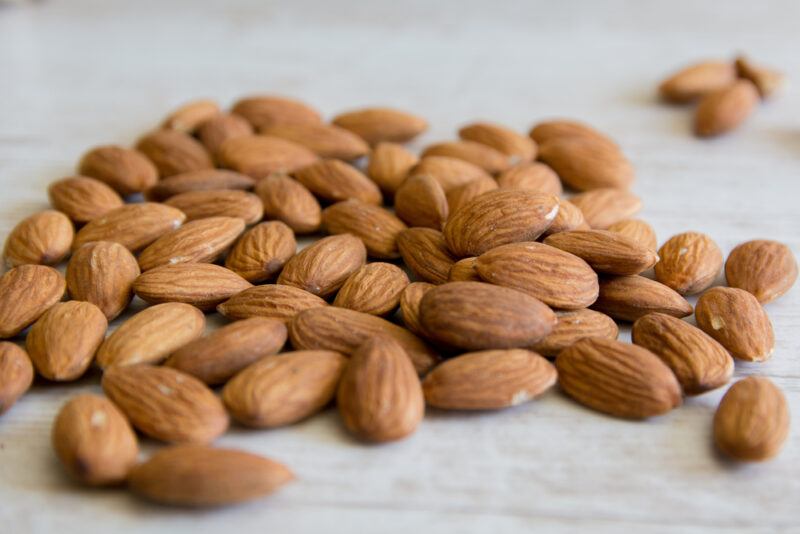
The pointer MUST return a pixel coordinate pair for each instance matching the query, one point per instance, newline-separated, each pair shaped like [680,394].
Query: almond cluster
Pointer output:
[481,289]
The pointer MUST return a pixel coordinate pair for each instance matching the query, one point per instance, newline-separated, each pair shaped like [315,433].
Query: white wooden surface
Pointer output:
[75,74]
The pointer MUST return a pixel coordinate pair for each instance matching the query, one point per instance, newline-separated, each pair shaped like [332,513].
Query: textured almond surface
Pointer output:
[573,326]
[533,176]
[606,251]
[202,180]
[462,194]
[103,272]
[605,206]
[377,227]
[724,110]
[264,110]
[218,203]
[638,230]
[322,267]
[389,164]
[409,305]
[124,170]
[133,225]
[629,297]
[582,163]
[334,180]
[425,252]
[698,80]
[487,158]
[16,374]
[26,292]
[465,270]
[375,289]
[569,217]
[200,241]
[262,251]
[272,301]
[189,116]
[420,201]
[765,268]
[449,172]
[512,144]
[214,132]
[43,238]
[174,152]
[287,200]
[325,140]
[200,284]
[82,199]
[689,262]
[382,124]
[259,155]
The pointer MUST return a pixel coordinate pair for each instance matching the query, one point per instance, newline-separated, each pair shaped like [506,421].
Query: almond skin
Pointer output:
[752,421]
[736,319]
[215,131]
[377,227]
[724,110]
[606,252]
[573,326]
[322,267]
[343,330]
[284,389]
[188,117]
[287,200]
[585,164]
[325,140]
[151,335]
[627,298]
[43,238]
[461,195]
[476,316]
[166,404]
[425,252]
[26,292]
[94,441]
[202,180]
[262,251]
[381,124]
[638,230]
[262,111]
[531,176]
[449,172]
[103,272]
[514,145]
[488,380]
[767,81]
[259,155]
[124,170]
[565,128]
[272,301]
[218,203]
[203,285]
[695,81]
[557,278]
[464,271]
[603,207]
[765,268]
[200,241]
[499,217]
[216,357]
[569,217]
[409,305]
[375,289]
[62,343]
[174,152]
[389,164]
[82,199]
[133,225]
[487,158]
[380,397]
[333,180]
[421,201]
[689,262]
[16,374]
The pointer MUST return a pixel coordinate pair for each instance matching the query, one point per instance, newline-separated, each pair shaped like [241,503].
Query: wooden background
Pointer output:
[74,74]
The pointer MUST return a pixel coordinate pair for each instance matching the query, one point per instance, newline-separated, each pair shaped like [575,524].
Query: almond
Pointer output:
[151,335]
[203,285]
[62,343]
[752,420]
[272,301]
[174,152]
[736,319]
[475,316]
[26,292]
[569,217]
[566,128]
[16,374]
[629,297]
[335,180]
[200,241]
[103,272]
[532,176]
[583,163]
[133,225]
[322,267]
[380,397]
[487,158]
[263,111]
[638,230]
[488,380]
[700,363]
[617,378]
[202,180]
[425,252]
[215,131]
[696,81]
[82,199]
[767,269]
[421,201]
[499,217]
[260,155]
[767,81]
[284,389]
[43,238]
[166,404]
[464,270]
[724,110]
[287,200]
[216,357]
[343,330]
[604,207]
[381,124]
[573,326]
[188,117]
[606,252]
[220,203]
[325,140]
[389,164]
[94,441]
[557,278]
[516,146]
[375,289]
[463,194]
[449,172]
[377,227]
[409,305]
[262,251]
[689,262]
[124,170]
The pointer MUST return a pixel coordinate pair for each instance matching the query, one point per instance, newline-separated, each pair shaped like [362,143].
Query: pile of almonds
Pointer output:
[507,275]
[727,92]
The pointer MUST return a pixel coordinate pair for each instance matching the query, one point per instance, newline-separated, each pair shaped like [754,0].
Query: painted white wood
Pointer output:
[78,73]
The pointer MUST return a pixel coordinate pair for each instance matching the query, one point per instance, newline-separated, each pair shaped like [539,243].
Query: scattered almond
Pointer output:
[124,170]
[605,251]
[765,268]
[200,241]
[698,80]
[215,131]
[425,252]
[82,199]
[449,172]
[260,155]
[767,81]
[514,145]
[377,227]
[202,180]
[26,292]
[584,164]
[272,301]
[389,164]
[724,110]
[322,267]
[420,201]
[133,225]
[689,262]
[409,305]
[463,194]
[103,272]
[335,180]
[325,140]
[565,128]
[221,203]
[203,285]
[16,374]
[188,117]
[638,230]
[375,289]
[487,158]
[381,124]
[533,176]
[464,270]
[43,238]
[627,298]
[174,152]
[569,217]
[287,200]
[263,111]
[604,207]
[262,251]
[573,326]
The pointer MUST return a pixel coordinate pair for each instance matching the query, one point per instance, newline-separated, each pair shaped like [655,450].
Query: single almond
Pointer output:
[322,267]
[638,230]
[463,194]
[569,217]
[223,126]
[487,158]
[584,163]
[377,227]
[220,203]
[203,285]
[188,117]
[271,300]
[409,305]
[449,172]
[375,289]
[606,206]
[765,268]
[697,80]
[82,199]
[464,270]
[532,176]
[425,252]
[262,251]
[287,200]
[325,140]
[202,180]
[125,170]
[26,292]
[174,152]
[43,238]
[420,201]
[573,326]
[724,110]
[334,180]
[565,128]
[103,272]
[381,124]
[16,374]
[260,155]
[606,252]
[767,81]
[627,298]
[133,225]
[262,111]
[389,165]
[516,146]
[200,241]
[689,262]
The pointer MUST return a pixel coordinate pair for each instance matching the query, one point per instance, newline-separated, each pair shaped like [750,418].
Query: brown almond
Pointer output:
[476,316]
[488,380]
[151,335]
[697,80]
[325,140]
[767,81]
[617,378]
[425,252]
[335,180]
[260,155]
[389,164]
[765,268]
[322,267]
[689,262]
[566,128]
[381,124]
[287,200]
[606,252]
[604,207]
[166,404]
[516,146]
[16,374]
[464,270]
[200,241]
[262,111]
[220,203]
[409,305]
[380,397]
[103,272]
[627,298]
[284,389]
[700,363]
[43,238]
[569,217]
[583,163]
[94,441]
[203,285]
[487,158]
[215,131]
[531,176]
[174,152]
[463,194]
[421,201]
[125,170]
[573,326]
[377,227]
[188,117]
[202,180]
[724,110]
[638,230]
[216,357]
[496,218]
[62,343]
[736,319]
[375,289]
[262,251]
[133,225]
[449,172]
[82,199]
[26,292]
[271,300]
